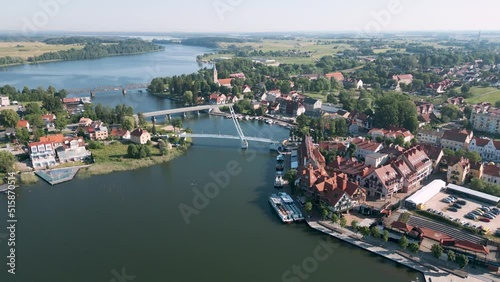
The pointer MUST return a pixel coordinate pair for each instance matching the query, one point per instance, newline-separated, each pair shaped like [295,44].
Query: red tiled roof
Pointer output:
[480,142]
[22,123]
[225,81]
[492,170]
[50,118]
[59,138]
[401,226]
[337,75]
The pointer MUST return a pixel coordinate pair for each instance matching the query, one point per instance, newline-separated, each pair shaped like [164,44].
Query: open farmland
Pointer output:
[25,50]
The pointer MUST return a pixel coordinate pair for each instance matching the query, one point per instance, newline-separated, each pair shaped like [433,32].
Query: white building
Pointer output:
[140,136]
[42,154]
[4,101]
[488,149]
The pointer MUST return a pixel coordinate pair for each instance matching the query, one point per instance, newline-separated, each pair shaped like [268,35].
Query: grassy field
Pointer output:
[114,158]
[25,50]
[267,45]
[317,96]
[484,94]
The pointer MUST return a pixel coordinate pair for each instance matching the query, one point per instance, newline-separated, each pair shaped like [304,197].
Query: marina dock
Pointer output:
[56,176]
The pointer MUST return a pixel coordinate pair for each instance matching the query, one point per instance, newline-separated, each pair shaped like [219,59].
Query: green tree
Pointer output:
[343,222]
[413,248]
[462,260]
[9,118]
[177,123]
[7,161]
[355,225]
[141,119]
[324,213]
[385,236]
[33,109]
[22,134]
[290,176]
[188,97]
[403,242]
[128,123]
[52,104]
[61,121]
[375,232]
[364,230]
[308,207]
[334,218]
[451,256]
[465,89]
[132,151]
[437,250]
[399,141]
[473,156]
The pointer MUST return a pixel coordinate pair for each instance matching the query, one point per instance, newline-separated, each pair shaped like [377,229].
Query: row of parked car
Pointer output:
[485,214]
[482,229]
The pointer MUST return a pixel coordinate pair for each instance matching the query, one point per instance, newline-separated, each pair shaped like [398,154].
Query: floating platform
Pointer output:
[56,176]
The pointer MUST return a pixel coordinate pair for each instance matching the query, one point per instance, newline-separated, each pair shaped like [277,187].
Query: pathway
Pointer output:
[437,275]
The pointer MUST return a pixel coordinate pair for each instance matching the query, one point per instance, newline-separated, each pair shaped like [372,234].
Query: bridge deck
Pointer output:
[183,110]
[219,136]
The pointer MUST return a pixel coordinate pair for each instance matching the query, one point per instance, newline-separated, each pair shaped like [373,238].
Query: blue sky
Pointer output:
[249,15]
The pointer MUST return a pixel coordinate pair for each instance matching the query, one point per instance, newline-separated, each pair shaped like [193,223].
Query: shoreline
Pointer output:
[57,61]
[128,164]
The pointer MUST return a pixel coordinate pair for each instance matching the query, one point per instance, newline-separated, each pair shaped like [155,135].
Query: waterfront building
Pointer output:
[140,136]
[72,150]
[42,154]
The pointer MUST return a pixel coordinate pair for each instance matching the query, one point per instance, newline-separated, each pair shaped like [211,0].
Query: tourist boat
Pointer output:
[282,212]
[268,121]
[290,206]
[279,181]
[280,161]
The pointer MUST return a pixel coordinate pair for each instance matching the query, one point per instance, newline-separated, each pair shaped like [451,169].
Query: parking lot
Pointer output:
[436,203]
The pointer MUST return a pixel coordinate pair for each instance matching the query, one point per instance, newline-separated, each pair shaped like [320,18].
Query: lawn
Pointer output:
[484,94]
[113,157]
[25,50]
[317,96]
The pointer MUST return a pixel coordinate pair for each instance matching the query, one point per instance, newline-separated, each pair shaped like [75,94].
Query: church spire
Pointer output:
[216,75]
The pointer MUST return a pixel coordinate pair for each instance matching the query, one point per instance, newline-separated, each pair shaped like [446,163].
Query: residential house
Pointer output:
[354,170]
[491,174]
[49,121]
[435,153]
[73,150]
[97,131]
[383,182]
[457,101]
[4,101]
[362,121]
[312,106]
[338,76]
[476,170]
[337,193]
[403,173]
[392,133]
[376,159]
[339,147]
[120,133]
[42,154]
[424,107]
[140,136]
[23,124]
[365,147]
[84,122]
[456,139]
[429,136]
[216,99]
[486,119]
[458,170]
[403,78]
[239,75]
[246,89]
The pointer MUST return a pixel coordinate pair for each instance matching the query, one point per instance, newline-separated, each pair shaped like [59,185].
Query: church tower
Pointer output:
[216,75]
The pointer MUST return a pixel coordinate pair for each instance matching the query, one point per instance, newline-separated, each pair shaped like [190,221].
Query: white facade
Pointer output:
[4,101]
[42,155]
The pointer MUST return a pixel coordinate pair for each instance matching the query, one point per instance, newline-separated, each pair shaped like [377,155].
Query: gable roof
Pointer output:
[23,123]
[138,132]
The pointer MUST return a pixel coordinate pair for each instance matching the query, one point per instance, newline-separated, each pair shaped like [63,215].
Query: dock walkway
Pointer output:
[434,275]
